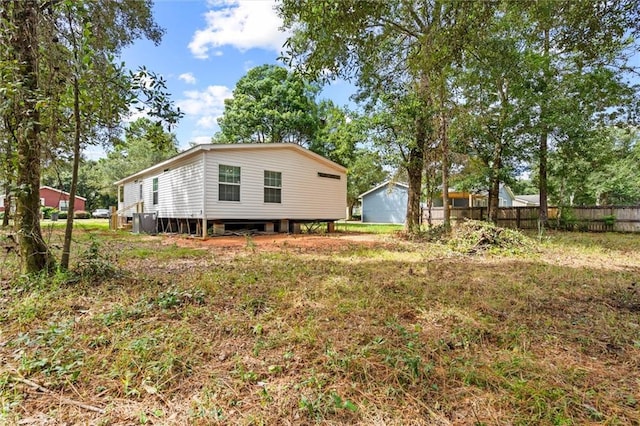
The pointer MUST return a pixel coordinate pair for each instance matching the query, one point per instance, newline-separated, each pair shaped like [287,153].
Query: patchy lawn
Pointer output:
[348,328]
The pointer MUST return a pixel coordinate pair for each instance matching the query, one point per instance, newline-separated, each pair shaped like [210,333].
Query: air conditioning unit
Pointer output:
[145,223]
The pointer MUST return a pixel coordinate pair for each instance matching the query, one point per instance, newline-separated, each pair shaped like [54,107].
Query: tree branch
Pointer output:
[63,399]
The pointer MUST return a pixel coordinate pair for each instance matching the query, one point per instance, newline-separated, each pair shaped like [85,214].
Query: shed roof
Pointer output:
[387,182]
[61,192]
[530,198]
[232,147]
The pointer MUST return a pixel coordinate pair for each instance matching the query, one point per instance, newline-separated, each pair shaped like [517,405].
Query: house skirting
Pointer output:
[216,227]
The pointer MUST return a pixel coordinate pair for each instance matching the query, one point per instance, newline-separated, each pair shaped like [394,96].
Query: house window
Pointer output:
[63,206]
[272,187]
[228,183]
[155,191]
[121,194]
[42,202]
[141,191]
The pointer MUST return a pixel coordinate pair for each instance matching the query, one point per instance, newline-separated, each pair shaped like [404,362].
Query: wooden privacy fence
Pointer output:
[604,218]
[592,218]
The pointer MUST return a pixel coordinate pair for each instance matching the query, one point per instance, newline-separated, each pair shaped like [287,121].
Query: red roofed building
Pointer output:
[55,198]
[51,197]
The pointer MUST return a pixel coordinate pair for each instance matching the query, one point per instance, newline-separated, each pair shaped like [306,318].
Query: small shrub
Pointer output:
[173,298]
[567,220]
[436,233]
[81,214]
[62,215]
[96,264]
[609,220]
[46,211]
[474,236]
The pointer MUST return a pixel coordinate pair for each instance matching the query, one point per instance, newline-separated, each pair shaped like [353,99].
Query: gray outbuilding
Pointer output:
[386,203]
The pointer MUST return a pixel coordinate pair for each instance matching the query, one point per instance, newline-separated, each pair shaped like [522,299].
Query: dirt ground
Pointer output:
[274,242]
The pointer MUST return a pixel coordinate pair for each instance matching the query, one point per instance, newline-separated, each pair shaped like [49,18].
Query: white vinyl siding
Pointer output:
[183,193]
[179,191]
[305,195]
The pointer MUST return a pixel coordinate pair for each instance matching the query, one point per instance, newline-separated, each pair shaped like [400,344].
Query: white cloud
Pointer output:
[205,106]
[247,65]
[243,24]
[208,122]
[188,78]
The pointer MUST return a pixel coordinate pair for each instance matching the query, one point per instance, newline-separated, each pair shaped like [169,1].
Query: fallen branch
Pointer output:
[63,399]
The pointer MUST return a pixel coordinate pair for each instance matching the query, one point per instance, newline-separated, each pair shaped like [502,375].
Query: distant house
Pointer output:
[386,203]
[52,197]
[526,200]
[273,187]
[55,198]
[462,199]
[467,199]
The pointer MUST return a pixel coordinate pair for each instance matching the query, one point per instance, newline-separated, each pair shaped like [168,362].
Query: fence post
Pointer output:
[517,218]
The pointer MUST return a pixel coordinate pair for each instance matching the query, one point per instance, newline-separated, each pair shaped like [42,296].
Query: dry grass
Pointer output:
[331,330]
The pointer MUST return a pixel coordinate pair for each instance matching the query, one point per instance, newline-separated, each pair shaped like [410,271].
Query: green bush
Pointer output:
[609,220]
[81,214]
[62,215]
[567,220]
[46,211]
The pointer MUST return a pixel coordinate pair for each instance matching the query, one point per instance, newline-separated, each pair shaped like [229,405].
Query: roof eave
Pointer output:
[214,147]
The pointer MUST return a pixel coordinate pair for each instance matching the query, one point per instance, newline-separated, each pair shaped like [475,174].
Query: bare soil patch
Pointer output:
[276,242]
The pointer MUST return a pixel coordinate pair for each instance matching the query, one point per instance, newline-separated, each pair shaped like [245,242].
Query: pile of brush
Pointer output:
[472,236]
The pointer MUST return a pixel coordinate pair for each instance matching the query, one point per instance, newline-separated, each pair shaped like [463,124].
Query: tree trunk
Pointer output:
[350,210]
[498,149]
[446,210]
[494,200]
[543,208]
[34,252]
[7,207]
[543,147]
[66,248]
[494,191]
[414,170]
[415,164]
[444,141]
[8,177]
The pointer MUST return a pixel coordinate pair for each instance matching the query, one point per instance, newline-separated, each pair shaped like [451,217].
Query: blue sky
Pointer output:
[208,46]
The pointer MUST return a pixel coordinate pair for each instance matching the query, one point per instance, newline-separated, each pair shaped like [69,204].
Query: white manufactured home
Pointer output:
[210,187]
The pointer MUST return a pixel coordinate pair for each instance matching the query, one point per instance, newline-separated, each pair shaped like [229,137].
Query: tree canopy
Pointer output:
[60,80]
[270,104]
[506,83]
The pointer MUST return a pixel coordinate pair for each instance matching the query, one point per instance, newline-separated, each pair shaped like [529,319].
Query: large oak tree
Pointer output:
[394,48]
[270,105]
